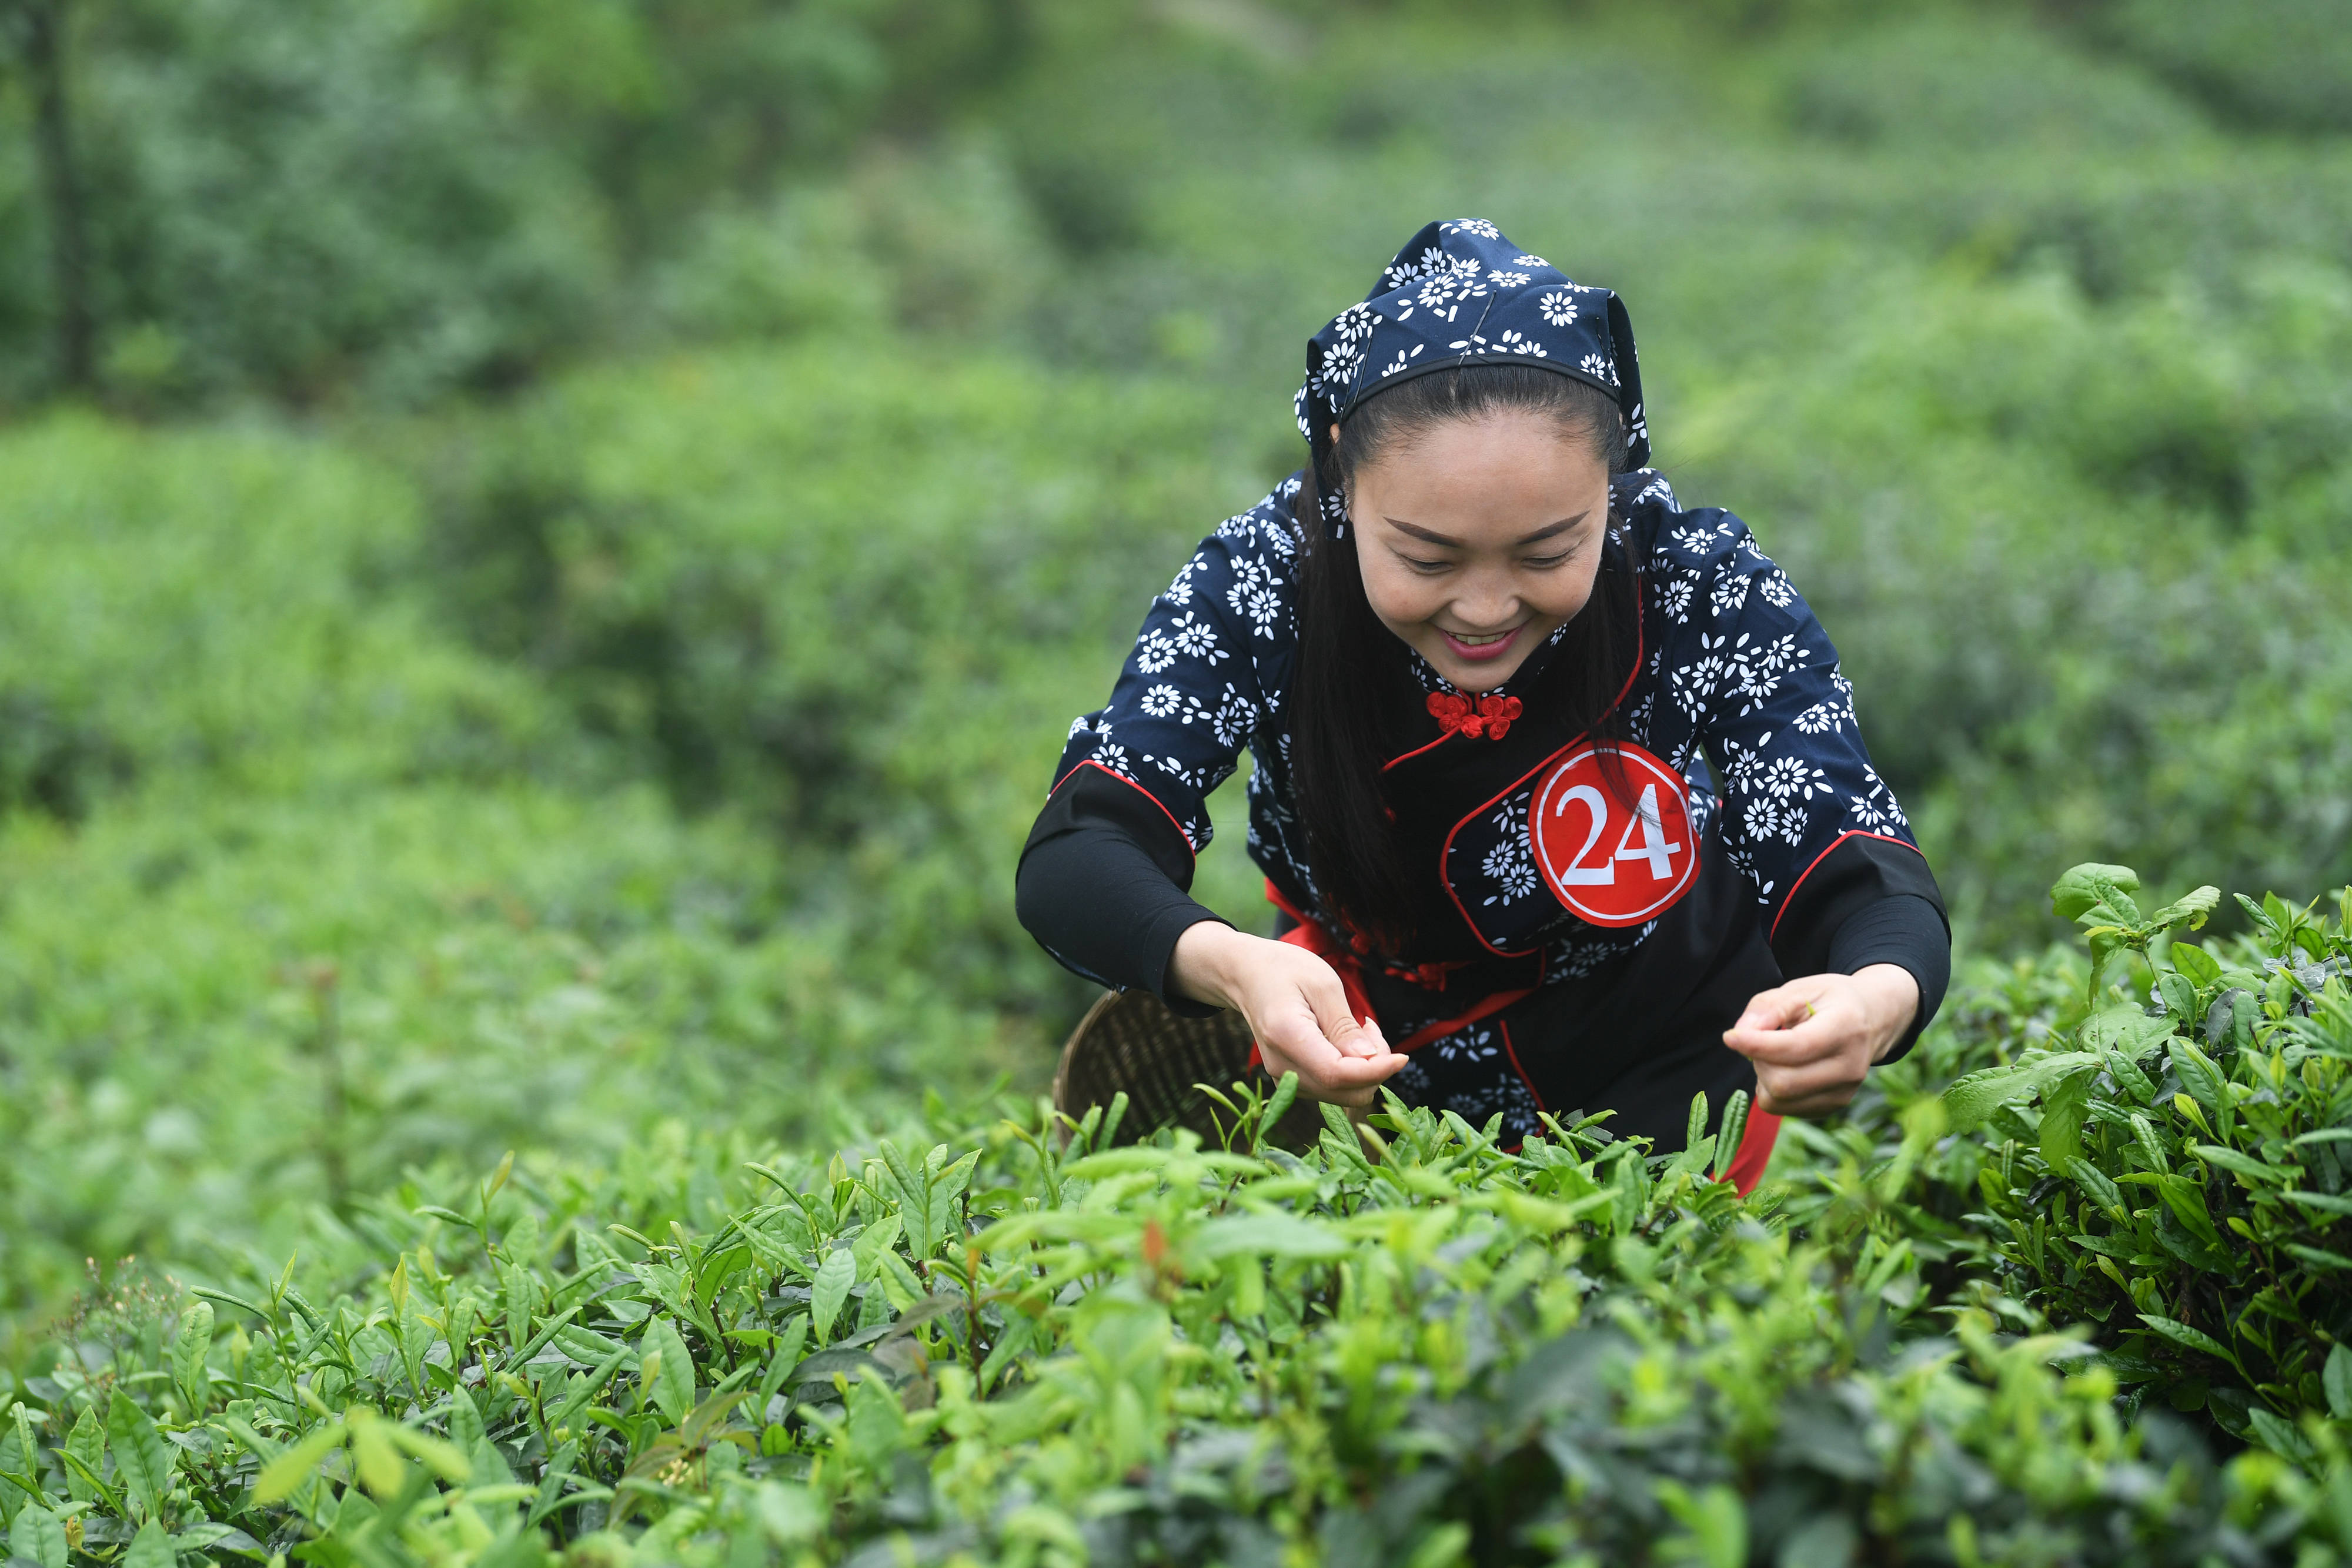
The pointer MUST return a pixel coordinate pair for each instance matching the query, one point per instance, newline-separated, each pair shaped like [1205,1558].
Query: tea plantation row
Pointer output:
[2025,1314]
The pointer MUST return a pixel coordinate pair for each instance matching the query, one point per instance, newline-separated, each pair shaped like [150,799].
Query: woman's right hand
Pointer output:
[1295,1006]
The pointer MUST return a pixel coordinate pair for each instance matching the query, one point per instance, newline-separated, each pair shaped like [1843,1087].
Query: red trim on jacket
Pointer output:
[1446,848]
[1115,773]
[1317,939]
[1513,1053]
[1788,897]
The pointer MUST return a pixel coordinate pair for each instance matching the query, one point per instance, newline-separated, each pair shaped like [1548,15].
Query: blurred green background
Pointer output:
[548,547]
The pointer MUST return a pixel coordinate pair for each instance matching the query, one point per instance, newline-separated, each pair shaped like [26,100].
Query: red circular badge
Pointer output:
[1614,862]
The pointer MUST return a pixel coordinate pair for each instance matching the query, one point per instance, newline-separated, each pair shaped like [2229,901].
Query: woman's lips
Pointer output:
[1479,652]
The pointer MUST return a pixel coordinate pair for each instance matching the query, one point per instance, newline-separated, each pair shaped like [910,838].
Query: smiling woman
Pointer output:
[1490,668]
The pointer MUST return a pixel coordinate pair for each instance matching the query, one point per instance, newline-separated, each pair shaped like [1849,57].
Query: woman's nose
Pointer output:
[1487,605]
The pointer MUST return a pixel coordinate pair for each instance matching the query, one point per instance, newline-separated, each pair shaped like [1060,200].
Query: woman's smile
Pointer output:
[1481,648]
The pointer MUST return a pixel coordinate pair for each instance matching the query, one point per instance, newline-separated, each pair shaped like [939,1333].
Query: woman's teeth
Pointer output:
[1477,642]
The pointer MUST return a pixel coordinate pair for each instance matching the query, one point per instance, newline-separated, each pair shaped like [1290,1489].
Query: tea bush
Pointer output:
[2173,1172]
[1406,1347]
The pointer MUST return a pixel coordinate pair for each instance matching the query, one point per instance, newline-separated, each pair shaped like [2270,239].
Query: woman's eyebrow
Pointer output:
[1430,535]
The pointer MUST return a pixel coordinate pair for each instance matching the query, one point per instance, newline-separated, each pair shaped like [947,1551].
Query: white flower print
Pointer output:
[1078,728]
[1512,869]
[1234,717]
[1752,683]
[1180,591]
[1115,759]
[1657,489]
[1729,594]
[1558,308]
[1780,654]
[1761,816]
[1530,261]
[1638,720]
[1742,764]
[1876,809]
[1514,343]
[1822,718]
[1195,637]
[1598,368]
[1510,864]
[1441,293]
[1674,596]
[1776,589]
[1478,227]
[1694,538]
[1355,324]
[1793,778]
[1162,700]
[1261,605]
[1154,652]
[1502,278]
[1695,682]
[1403,272]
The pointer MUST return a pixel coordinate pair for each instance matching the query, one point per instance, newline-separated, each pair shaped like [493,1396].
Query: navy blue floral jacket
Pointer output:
[1764,822]
[1733,669]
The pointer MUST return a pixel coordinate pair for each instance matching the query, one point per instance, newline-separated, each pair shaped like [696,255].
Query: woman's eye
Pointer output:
[1546,562]
[1429,566]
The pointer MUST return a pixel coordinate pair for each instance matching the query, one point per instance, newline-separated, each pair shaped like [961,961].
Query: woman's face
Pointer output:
[1478,538]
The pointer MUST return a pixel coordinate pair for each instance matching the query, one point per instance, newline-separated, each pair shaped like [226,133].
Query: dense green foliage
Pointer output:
[1019,1348]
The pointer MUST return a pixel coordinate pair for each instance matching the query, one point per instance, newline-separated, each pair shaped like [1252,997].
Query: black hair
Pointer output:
[1356,701]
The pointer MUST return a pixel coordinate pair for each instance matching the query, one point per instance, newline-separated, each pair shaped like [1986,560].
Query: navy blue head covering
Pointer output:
[1460,293]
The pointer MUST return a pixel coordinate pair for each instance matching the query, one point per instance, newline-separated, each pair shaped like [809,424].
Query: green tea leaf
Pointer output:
[1734,1126]
[289,1469]
[190,1346]
[2199,1075]
[2065,1106]
[150,1548]
[2181,1335]
[2094,1181]
[1267,1236]
[2337,1381]
[1973,1098]
[947,1187]
[2281,1438]
[38,1536]
[142,1459]
[834,1277]
[2187,1201]
[2329,1202]
[668,1370]
[374,1460]
[2189,911]
[87,1443]
[2245,1166]
[1277,1105]
[2098,890]
[2201,966]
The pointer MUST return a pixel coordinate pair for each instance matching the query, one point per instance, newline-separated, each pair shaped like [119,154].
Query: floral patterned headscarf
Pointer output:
[1461,294]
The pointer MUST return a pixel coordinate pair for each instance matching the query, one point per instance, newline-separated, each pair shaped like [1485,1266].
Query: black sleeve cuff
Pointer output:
[1102,885]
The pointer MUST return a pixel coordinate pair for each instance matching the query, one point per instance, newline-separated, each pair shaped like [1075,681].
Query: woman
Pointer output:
[1491,672]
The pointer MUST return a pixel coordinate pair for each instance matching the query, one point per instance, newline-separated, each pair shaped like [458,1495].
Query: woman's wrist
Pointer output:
[1890,996]
[1200,967]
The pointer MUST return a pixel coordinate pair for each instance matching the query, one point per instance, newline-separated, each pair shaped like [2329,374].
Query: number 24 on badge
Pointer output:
[1611,860]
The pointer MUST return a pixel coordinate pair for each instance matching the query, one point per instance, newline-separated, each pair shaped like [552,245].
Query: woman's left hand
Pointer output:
[1814,1040]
